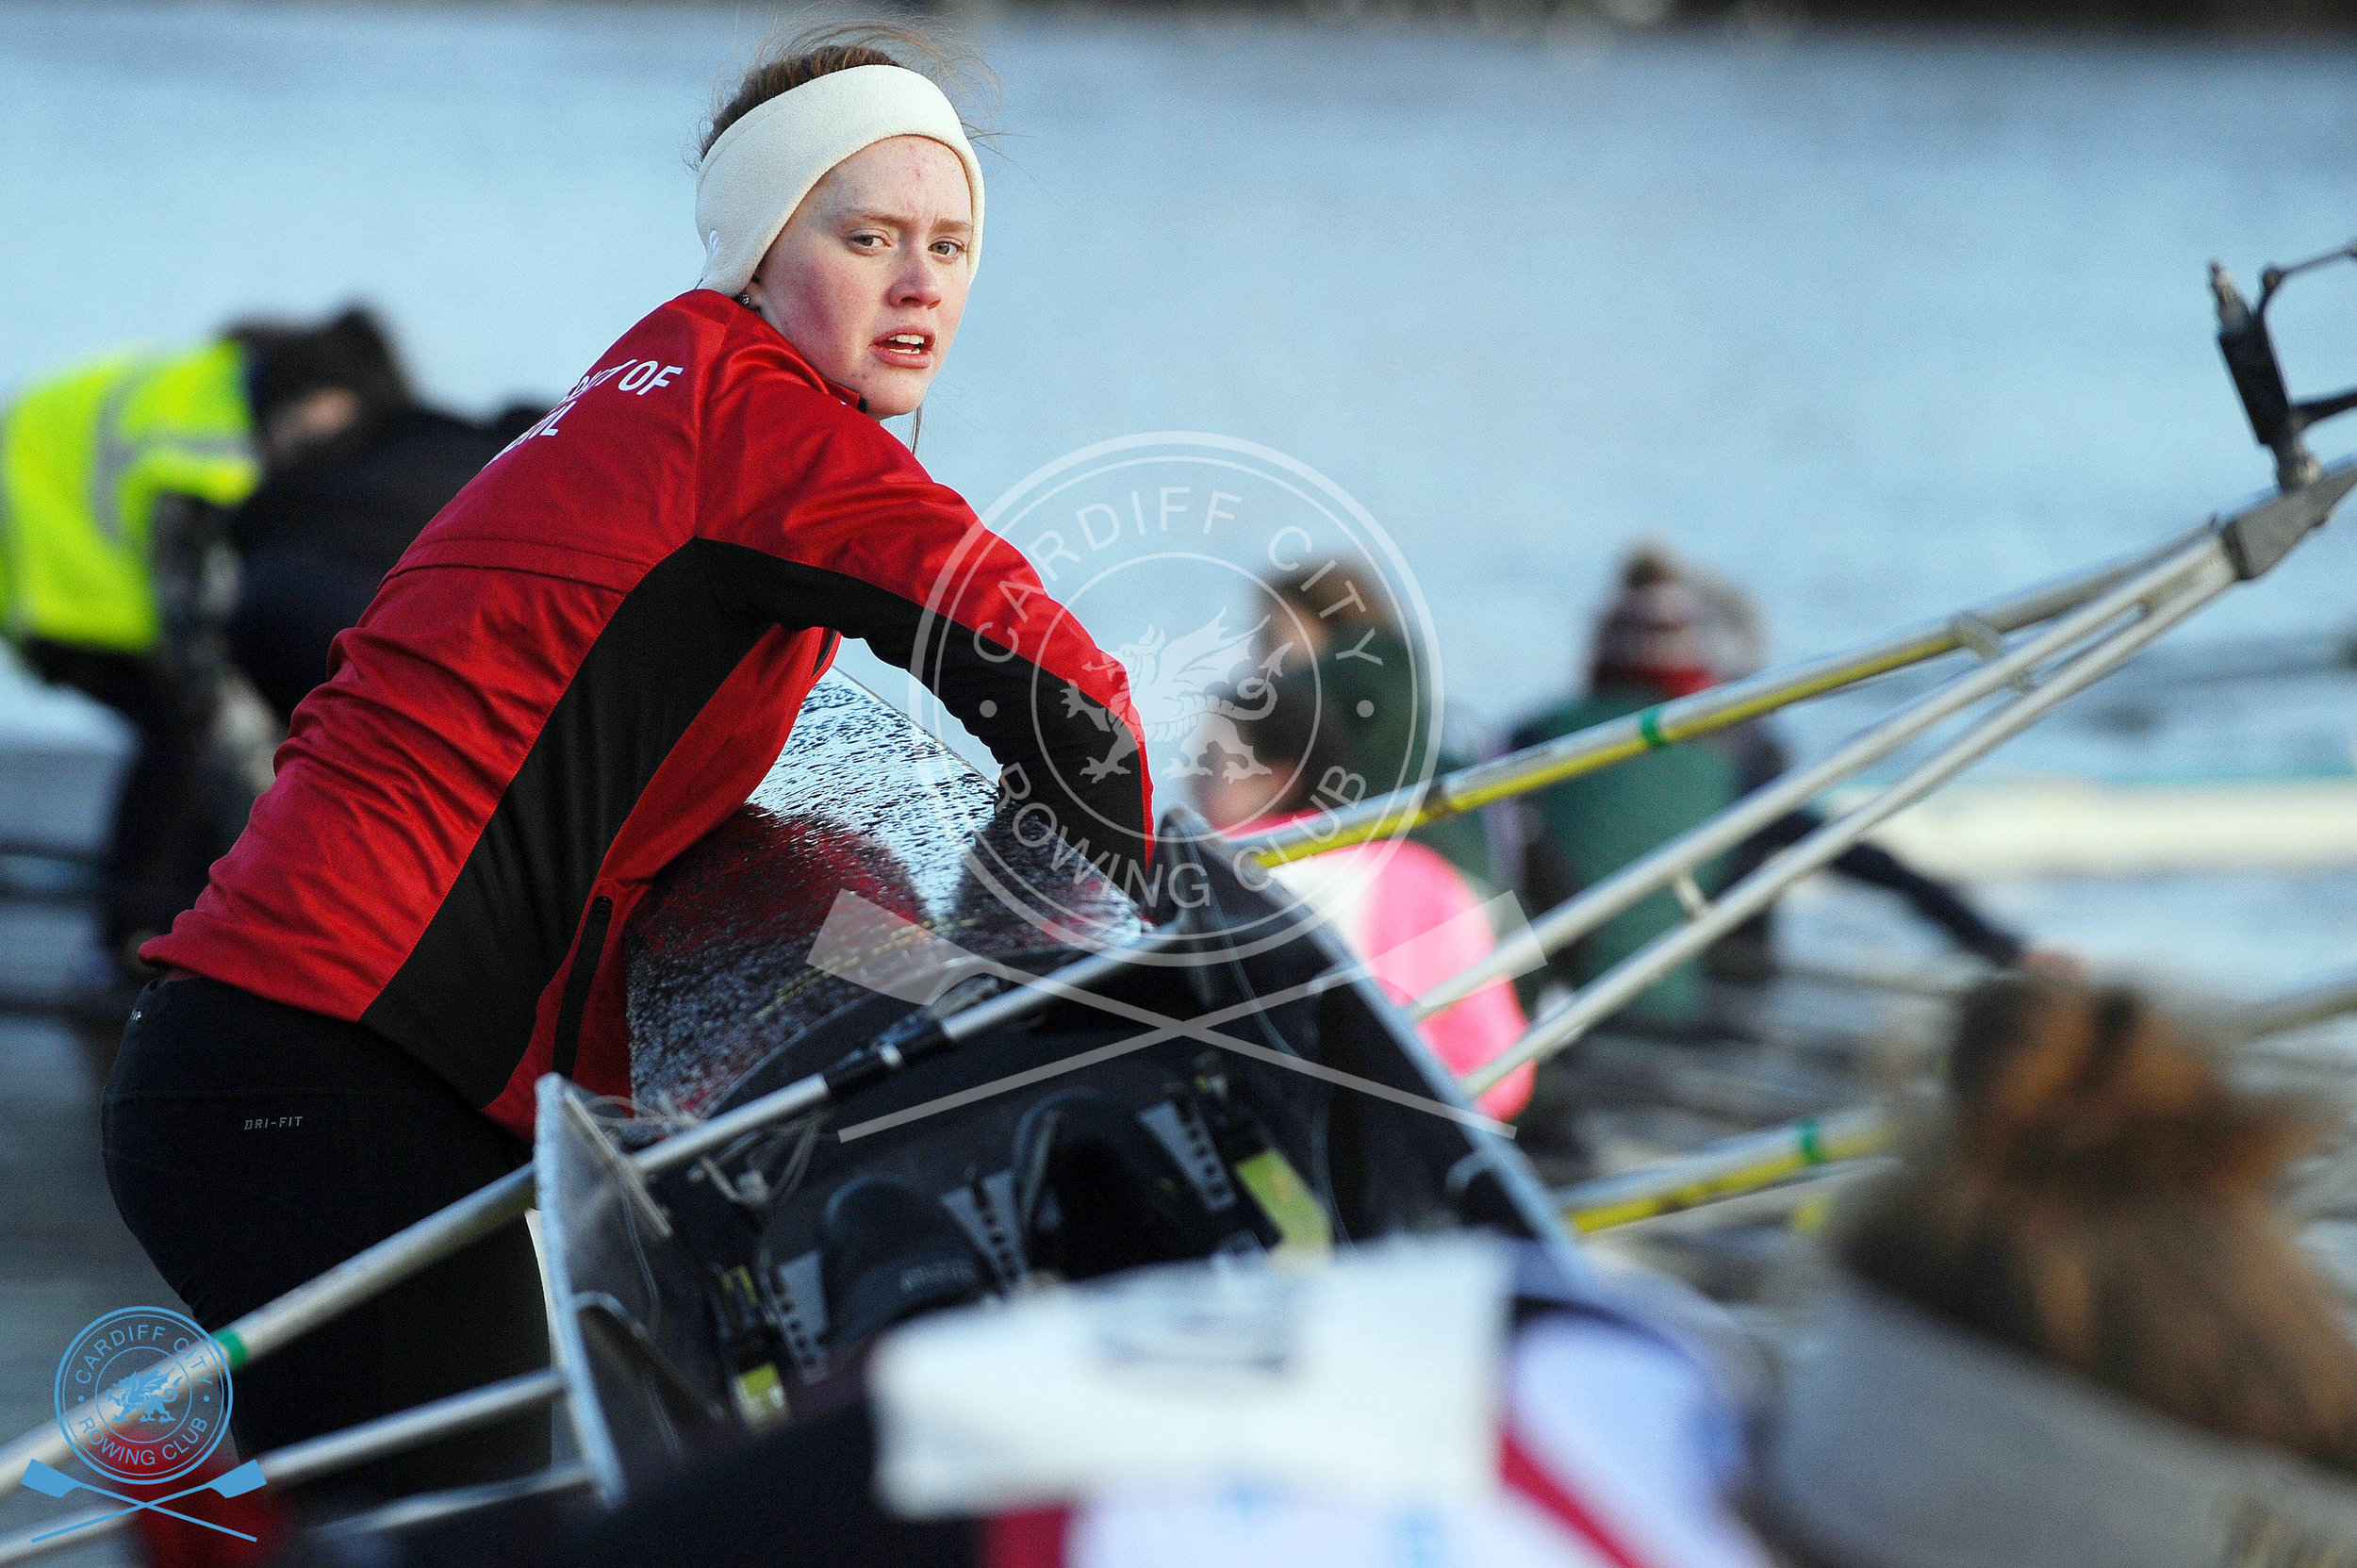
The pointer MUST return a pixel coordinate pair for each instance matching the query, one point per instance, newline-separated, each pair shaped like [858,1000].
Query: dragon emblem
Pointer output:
[1180,686]
[143,1397]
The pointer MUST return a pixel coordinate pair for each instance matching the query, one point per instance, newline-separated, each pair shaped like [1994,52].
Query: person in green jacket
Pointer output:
[1652,646]
[114,477]
[1673,630]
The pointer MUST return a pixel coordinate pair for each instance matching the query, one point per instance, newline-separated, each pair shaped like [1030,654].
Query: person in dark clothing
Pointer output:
[316,540]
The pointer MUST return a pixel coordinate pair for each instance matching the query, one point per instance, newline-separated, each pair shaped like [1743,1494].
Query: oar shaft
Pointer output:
[1704,713]
[2310,1004]
[1569,921]
[1738,1164]
[387,1435]
[801,1095]
[1753,1161]
[1620,985]
[1896,980]
[436,1237]
[321,1456]
[1084,974]
[1776,1202]
[394,1259]
[304,1308]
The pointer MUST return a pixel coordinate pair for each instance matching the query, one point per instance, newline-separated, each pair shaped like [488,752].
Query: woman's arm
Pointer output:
[848,533]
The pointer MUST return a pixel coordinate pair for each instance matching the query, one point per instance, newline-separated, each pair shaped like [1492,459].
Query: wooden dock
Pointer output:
[2062,827]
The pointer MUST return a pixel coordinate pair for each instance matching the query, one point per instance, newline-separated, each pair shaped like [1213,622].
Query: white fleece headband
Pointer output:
[762,167]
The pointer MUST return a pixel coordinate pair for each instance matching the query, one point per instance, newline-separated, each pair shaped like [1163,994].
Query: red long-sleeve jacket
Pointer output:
[588,660]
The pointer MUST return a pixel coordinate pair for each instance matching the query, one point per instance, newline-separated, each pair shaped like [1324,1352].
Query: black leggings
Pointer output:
[252,1145]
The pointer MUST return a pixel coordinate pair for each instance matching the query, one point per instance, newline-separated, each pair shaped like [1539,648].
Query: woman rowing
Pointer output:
[585,662]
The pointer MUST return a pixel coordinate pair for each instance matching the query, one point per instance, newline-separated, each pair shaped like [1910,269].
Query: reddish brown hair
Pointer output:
[2101,1197]
[789,60]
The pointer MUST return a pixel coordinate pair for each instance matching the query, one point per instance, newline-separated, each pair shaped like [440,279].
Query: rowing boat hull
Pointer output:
[1308,1115]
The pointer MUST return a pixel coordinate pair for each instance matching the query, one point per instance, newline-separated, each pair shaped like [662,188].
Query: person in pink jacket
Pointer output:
[1399,905]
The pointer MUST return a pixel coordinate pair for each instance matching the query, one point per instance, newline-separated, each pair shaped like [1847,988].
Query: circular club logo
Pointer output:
[143,1395]
[1278,656]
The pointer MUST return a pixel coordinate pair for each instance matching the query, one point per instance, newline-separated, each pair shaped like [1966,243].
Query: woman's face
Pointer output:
[868,278]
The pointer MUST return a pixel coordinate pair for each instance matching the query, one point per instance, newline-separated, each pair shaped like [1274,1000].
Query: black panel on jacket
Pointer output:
[466,998]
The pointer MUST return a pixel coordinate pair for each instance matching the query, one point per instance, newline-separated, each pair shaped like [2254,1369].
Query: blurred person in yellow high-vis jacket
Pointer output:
[90,459]
[115,477]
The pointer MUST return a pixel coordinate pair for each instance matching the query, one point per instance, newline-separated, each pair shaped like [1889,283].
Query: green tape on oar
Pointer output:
[1812,1148]
[228,1341]
[1649,727]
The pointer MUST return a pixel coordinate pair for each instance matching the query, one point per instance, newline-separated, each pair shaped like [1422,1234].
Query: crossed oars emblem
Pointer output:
[56,1483]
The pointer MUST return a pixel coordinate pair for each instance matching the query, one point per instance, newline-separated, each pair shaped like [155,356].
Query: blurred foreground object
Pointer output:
[2079,1307]
[1441,1400]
